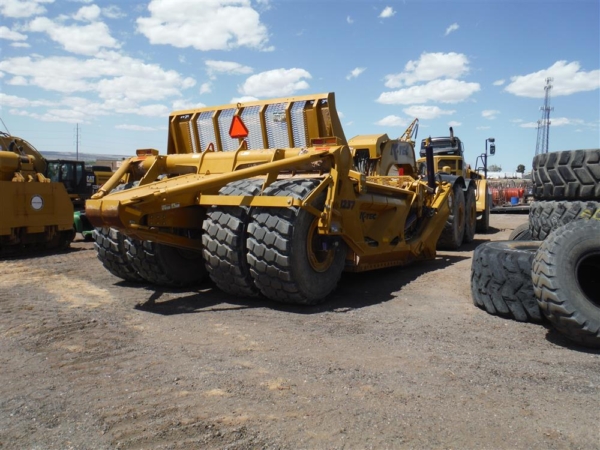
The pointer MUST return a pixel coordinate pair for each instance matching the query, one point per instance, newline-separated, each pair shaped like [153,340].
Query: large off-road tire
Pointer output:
[566,282]
[567,175]
[454,231]
[521,233]
[547,216]
[164,265]
[224,242]
[289,261]
[470,214]
[501,279]
[110,248]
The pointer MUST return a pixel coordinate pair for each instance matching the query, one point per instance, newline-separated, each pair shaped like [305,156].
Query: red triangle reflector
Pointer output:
[237,129]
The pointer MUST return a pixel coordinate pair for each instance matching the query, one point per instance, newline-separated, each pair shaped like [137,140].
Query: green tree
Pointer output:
[521,168]
[495,168]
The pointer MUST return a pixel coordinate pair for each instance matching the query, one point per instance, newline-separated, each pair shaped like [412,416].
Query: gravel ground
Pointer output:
[396,358]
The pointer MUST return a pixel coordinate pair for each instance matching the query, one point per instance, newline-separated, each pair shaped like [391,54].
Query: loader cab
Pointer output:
[78,181]
[444,146]
[447,155]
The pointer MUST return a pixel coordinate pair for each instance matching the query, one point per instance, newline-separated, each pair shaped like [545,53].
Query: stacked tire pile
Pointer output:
[550,267]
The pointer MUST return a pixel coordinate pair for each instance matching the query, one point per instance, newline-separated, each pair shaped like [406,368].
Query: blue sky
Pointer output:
[117,69]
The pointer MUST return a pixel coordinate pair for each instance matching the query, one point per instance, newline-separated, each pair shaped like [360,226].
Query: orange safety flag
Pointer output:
[237,129]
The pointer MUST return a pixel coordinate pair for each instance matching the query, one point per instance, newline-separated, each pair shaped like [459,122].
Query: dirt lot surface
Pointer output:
[397,358]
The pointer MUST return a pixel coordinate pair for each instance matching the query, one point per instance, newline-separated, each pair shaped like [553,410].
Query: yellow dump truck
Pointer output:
[35,211]
[268,198]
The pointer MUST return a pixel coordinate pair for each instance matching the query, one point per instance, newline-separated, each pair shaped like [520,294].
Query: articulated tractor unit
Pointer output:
[267,198]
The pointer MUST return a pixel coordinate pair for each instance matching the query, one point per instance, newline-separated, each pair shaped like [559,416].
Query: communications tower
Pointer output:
[544,123]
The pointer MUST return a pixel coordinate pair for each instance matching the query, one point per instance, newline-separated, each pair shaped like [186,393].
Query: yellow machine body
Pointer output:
[374,200]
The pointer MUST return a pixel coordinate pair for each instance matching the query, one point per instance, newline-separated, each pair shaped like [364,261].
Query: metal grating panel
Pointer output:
[224,121]
[206,130]
[251,118]
[298,124]
[277,131]
[194,145]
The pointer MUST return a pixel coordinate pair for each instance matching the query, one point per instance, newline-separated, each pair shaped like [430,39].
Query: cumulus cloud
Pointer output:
[452,28]
[122,84]
[490,114]
[205,88]
[275,83]
[19,9]
[556,122]
[226,67]
[136,128]
[444,91]
[354,73]
[392,121]
[12,101]
[454,123]
[427,112]
[430,66]
[569,79]
[349,20]
[83,40]
[214,25]
[87,13]
[8,34]
[244,99]
[388,11]
[498,82]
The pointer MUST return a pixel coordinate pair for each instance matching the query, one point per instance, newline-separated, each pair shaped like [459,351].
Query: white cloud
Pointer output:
[244,99]
[8,34]
[354,73]
[136,128]
[18,81]
[275,83]
[226,67]
[84,40]
[453,123]
[392,121]
[209,25]
[427,112]
[22,8]
[205,88]
[12,101]
[87,13]
[349,20]
[490,114]
[498,82]
[113,12]
[429,67]
[186,104]
[121,83]
[556,122]
[568,79]
[388,11]
[20,45]
[452,28]
[445,91]
[483,128]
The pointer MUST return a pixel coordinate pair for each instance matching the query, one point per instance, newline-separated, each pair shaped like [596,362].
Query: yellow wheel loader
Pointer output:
[471,198]
[268,198]
[36,213]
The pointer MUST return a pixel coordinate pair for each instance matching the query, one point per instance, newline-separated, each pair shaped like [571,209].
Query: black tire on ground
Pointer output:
[454,231]
[164,265]
[567,175]
[110,248]
[566,283]
[470,214]
[224,242]
[501,279]
[521,233]
[547,216]
[288,260]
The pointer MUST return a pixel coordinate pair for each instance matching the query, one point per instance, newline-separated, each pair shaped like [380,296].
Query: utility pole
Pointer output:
[543,135]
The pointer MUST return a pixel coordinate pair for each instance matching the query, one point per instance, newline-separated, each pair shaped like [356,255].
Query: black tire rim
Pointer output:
[587,277]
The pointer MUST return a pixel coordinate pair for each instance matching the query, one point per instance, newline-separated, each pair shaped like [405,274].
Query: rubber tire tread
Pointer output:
[470,220]
[453,233]
[501,279]
[224,242]
[521,233]
[558,291]
[110,249]
[547,216]
[163,265]
[567,175]
[274,264]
